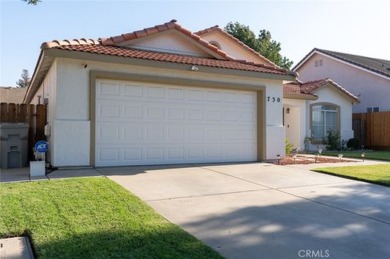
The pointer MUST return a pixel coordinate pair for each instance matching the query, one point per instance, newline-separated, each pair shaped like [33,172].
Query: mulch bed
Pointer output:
[303,160]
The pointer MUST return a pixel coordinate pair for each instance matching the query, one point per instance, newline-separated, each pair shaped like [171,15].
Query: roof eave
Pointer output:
[166,64]
[353,99]
[305,58]
[47,57]
[318,51]
[43,65]
[300,96]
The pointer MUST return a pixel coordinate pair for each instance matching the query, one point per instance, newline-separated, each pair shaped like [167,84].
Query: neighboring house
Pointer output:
[368,78]
[12,94]
[313,108]
[161,95]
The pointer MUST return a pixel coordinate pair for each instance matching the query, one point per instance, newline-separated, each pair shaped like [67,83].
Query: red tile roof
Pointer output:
[172,25]
[172,58]
[112,46]
[294,88]
[307,88]
[243,45]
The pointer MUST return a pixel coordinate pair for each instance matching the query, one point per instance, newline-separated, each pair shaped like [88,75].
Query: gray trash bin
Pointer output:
[13,145]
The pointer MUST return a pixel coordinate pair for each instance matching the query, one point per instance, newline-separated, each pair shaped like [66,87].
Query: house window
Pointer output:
[318,63]
[324,117]
[215,44]
[372,109]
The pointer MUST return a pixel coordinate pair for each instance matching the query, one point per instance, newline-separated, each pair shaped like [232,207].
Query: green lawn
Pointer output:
[379,174]
[91,218]
[374,155]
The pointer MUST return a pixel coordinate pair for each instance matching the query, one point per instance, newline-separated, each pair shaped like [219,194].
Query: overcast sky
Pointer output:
[355,27]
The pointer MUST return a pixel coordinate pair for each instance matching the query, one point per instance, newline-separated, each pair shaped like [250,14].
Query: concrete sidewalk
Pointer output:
[15,248]
[23,174]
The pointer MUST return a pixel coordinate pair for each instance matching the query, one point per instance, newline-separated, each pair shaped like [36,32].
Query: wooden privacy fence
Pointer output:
[373,129]
[33,115]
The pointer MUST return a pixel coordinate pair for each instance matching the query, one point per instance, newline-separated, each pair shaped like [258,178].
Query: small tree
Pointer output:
[24,81]
[263,44]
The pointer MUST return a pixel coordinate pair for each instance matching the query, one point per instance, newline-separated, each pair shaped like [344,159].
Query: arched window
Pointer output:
[216,44]
[324,117]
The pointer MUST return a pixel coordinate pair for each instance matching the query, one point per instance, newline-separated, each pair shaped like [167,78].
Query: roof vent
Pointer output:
[173,20]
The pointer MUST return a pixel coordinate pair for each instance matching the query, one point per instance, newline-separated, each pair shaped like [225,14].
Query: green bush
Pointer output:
[332,140]
[289,146]
[353,143]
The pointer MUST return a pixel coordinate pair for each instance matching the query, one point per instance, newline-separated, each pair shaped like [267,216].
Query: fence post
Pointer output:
[40,121]
[3,112]
[31,130]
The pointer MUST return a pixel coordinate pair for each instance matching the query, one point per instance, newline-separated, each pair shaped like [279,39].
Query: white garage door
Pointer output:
[144,124]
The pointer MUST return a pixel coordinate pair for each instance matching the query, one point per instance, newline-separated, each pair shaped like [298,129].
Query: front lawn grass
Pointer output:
[91,218]
[379,174]
[374,155]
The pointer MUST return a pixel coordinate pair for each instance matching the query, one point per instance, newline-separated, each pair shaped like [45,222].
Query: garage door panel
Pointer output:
[109,89]
[108,155]
[154,92]
[133,90]
[132,154]
[154,124]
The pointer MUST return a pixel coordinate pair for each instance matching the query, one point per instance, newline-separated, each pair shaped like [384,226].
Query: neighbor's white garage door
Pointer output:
[144,124]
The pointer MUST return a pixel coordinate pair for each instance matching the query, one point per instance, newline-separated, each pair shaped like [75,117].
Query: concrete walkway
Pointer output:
[23,174]
[267,211]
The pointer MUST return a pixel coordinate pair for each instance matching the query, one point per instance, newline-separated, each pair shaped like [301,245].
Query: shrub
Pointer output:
[353,143]
[332,140]
[289,146]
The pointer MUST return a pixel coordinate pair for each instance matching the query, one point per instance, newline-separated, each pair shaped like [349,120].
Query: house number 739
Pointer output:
[273,99]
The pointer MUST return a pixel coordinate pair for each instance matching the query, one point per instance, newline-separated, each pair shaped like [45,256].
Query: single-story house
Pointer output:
[12,94]
[366,77]
[161,95]
[311,109]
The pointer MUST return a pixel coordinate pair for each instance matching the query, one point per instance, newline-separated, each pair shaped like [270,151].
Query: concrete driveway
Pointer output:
[267,211]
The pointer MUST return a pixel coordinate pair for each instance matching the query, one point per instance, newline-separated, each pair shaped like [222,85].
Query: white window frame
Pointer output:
[336,109]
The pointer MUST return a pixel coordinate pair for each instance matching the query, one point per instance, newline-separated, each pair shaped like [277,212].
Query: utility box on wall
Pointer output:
[13,145]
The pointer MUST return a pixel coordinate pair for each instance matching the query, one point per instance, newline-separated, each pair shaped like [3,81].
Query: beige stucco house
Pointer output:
[368,78]
[162,95]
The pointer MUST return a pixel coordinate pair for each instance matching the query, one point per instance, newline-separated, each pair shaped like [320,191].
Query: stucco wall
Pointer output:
[170,41]
[275,131]
[48,90]
[331,95]
[231,47]
[69,101]
[372,90]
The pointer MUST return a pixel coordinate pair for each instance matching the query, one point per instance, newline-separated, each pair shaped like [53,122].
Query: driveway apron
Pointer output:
[267,211]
